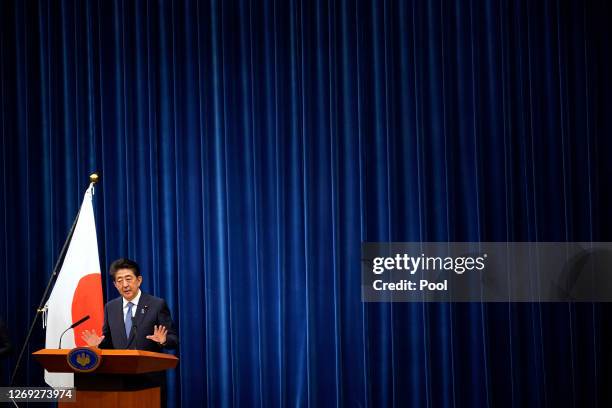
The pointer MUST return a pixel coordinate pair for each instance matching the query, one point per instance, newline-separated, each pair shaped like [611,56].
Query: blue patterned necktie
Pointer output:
[128,320]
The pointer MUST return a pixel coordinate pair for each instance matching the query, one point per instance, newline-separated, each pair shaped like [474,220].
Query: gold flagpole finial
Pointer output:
[94,177]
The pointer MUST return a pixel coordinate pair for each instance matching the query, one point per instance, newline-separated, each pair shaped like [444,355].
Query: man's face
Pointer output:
[127,283]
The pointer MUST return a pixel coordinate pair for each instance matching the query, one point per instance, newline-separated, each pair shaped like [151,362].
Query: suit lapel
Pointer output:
[119,313]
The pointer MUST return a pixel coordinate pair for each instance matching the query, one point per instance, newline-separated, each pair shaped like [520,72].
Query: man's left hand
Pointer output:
[159,335]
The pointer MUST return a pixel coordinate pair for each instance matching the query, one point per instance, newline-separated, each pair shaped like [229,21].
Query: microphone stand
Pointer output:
[93,178]
[72,326]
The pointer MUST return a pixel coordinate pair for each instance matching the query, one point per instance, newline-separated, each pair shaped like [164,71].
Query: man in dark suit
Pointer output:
[135,320]
[5,344]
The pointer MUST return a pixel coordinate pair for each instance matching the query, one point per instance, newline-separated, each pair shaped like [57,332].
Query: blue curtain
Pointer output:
[248,148]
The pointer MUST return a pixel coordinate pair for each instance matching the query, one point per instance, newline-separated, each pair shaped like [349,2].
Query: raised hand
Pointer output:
[159,335]
[91,338]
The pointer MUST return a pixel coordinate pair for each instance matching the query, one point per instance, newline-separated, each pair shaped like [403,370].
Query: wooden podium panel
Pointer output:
[147,398]
[124,378]
[113,361]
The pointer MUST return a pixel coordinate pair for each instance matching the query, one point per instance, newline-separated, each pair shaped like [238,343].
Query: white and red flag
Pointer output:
[77,292]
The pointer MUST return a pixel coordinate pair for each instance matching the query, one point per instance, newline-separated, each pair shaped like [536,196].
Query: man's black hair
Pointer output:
[124,263]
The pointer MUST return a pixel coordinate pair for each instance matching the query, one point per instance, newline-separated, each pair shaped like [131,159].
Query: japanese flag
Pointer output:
[77,292]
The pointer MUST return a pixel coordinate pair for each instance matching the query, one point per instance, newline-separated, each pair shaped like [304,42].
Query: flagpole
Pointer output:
[94,178]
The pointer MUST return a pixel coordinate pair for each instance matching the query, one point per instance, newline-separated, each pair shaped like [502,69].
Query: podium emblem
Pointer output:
[83,359]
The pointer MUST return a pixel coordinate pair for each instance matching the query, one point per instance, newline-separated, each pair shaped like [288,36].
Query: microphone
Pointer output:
[84,319]
[135,331]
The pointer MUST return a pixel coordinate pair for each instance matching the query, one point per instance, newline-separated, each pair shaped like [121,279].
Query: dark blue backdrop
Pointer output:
[248,148]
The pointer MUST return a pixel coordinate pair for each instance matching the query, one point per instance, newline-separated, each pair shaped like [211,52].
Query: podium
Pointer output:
[123,378]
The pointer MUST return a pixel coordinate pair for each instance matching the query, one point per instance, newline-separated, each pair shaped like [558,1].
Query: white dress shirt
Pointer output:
[134,302]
